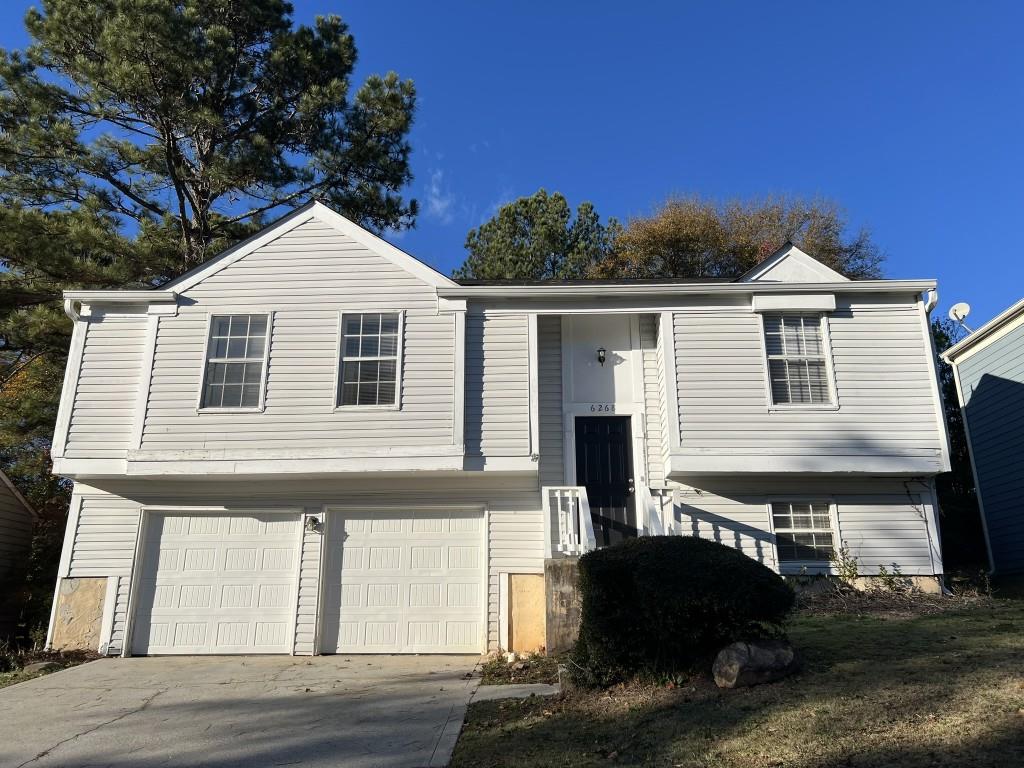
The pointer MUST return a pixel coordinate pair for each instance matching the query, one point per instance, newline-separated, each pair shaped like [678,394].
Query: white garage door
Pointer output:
[217,584]
[404,582]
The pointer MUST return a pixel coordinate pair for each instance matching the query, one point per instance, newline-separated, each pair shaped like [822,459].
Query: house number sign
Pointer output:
[602,407]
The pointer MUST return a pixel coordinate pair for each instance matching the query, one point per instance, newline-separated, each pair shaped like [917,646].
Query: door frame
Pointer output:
[341,508]
[148,511]
[633,406]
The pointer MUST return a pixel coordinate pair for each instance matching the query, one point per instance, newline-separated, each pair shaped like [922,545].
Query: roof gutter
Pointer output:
[680,289]
[71,298]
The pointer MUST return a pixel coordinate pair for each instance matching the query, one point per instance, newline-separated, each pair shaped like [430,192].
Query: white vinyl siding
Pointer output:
[497,385]
[877,520]
[549,391]
[104,404]
[882,376]
[235,361]
[307,277]
[803,531]
[797,359]
[308,599]
[654,426]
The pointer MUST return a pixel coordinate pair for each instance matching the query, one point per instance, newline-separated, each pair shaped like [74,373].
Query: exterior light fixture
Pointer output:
[313,525]
[601,353]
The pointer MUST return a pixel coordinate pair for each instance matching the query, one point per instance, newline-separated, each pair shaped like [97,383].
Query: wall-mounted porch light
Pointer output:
[601,354]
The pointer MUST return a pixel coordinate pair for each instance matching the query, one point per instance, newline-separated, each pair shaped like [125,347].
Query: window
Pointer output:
[235,356]
[369,359]
[803,531]
[797,371]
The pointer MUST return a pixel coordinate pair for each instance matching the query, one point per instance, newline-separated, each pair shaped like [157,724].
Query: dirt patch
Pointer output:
[14,663]
[844,601]
[531,669]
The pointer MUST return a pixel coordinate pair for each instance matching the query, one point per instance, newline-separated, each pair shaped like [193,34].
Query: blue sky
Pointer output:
[910,115]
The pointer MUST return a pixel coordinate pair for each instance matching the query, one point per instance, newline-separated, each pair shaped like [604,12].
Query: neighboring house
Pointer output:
[314,443]
[989,370]
[17,522]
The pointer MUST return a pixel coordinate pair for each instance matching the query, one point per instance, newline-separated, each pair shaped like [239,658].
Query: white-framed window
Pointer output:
[803,531]
[371,348]
[796,347]
[236,362]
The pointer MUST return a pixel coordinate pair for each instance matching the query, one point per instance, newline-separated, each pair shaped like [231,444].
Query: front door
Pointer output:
[604,466]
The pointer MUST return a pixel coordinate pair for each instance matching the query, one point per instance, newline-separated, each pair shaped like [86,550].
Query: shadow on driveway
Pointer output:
[175,712]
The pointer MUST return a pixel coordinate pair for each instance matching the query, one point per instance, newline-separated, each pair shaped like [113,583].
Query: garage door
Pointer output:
[404,582]
[217,584]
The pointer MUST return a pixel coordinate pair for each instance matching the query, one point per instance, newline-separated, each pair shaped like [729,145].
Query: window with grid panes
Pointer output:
[803,531]
[234,361]
[797,372]
[369,359]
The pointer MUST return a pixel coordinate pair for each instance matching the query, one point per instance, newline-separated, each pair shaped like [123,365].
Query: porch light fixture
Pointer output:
[313,525]
[601,353]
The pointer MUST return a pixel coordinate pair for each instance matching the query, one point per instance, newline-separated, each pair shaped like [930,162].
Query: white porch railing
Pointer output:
[652,523]
[568,529]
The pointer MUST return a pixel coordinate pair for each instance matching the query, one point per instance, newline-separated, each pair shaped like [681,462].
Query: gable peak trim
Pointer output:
[314,209]
[789,251]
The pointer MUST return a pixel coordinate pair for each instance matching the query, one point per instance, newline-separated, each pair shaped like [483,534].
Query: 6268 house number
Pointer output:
[602,408]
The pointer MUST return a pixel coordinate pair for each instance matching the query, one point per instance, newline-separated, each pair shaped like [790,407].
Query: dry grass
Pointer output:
[880,688]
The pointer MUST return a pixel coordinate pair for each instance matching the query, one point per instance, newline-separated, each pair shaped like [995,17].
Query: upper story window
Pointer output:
[235,361]
[803,531]
[797,366]
[370,348]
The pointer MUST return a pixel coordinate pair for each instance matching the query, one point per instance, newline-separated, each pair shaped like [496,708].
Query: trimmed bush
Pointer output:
[657,605]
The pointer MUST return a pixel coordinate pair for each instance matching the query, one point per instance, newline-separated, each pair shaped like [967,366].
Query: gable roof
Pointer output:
[791,265]
[994,329]
[17,495]
[311,210]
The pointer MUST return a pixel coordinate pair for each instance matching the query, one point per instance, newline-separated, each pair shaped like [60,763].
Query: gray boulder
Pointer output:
[742,664]
[42,666]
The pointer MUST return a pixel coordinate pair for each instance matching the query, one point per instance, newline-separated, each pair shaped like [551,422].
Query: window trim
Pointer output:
[826,340]
[339,361]
[261,405]
[791,567]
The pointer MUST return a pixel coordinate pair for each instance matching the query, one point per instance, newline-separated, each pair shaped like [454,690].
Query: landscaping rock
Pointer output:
[742,664]
[42,666]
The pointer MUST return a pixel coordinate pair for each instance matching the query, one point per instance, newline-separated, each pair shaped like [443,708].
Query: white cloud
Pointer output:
[439,199]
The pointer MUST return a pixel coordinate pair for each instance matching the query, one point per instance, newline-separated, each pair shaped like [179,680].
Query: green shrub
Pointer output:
[657,605]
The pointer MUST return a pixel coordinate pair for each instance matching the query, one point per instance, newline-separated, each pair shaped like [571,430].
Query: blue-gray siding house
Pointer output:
[989,368]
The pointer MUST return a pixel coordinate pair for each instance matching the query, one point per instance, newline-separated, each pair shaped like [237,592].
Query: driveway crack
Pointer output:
[95,728]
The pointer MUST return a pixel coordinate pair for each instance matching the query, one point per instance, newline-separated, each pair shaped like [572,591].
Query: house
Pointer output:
[314,443]
[17,522]
[988,366]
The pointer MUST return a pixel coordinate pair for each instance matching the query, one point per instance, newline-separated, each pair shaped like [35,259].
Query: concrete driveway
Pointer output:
[351,711]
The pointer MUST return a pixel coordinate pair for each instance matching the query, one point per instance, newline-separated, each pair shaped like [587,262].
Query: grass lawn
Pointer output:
[943,689]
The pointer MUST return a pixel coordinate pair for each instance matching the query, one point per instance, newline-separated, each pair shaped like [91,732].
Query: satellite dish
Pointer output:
[959,312]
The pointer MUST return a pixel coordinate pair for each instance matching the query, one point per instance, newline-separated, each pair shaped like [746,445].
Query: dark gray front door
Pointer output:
[604,466]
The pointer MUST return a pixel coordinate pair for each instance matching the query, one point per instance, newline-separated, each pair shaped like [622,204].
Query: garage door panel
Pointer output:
[404,582]
[217,584]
